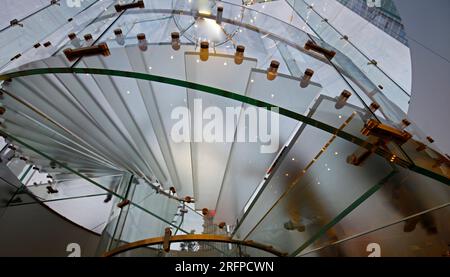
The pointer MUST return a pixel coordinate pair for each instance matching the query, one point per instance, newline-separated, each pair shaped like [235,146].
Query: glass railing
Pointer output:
[368,77]
[26,33]
[328,33]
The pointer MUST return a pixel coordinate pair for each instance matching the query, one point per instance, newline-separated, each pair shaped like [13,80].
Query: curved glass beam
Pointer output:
[18,38]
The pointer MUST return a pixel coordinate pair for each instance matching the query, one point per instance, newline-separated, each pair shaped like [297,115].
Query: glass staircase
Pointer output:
[104,125]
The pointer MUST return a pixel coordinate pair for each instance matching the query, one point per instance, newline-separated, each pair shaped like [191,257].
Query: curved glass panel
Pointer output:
[421,235]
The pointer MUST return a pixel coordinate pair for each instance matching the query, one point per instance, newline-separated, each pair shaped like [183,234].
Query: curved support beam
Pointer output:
[193,237]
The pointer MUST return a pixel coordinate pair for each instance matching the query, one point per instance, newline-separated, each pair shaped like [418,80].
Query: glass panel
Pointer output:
[33,29]
[401,239]
[325,31]
[249,162]
[140,225]
[209,155]
[318,196]
[404,194]
[59,37]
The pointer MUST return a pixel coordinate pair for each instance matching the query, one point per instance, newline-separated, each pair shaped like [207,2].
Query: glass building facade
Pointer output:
[385,17]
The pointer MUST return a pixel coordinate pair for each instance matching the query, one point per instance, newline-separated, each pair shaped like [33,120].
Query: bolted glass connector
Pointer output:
[176,44]
[123,203]
[2,109]
[166,240]
[100,49]
[120,39]
[310,45]
[374,107]
[15,22]
[239,55]
[205,211]
[306,78]
[204,51]
[74,40]
[139,4]
[219,15]
[272,71]
[142,42]
[423,146]
[342,99]
[88,38]
[51,190]
[405,124]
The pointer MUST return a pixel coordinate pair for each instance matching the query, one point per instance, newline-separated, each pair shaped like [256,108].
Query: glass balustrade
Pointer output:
[327,32]
[25,33]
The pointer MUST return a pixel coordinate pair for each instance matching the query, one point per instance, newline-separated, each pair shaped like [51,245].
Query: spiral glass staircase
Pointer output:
[89,102]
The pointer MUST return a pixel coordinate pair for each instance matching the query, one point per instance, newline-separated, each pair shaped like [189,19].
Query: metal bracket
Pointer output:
[124,7]
[100,49]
